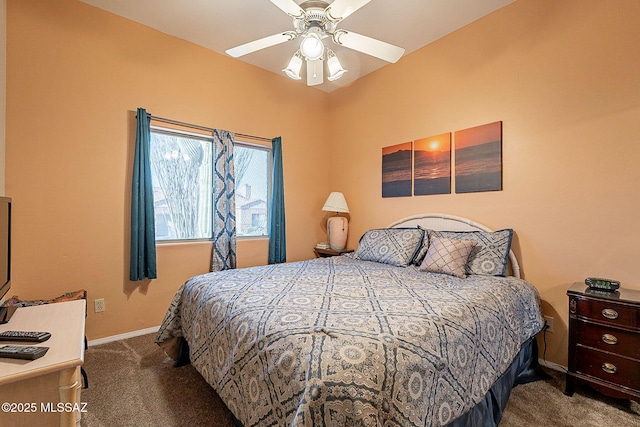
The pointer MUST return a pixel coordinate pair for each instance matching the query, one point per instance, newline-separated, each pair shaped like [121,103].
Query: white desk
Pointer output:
[45,391]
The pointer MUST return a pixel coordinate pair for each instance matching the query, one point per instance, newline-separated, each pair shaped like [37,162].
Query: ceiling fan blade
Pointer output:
[315,72]
[340,9]
[261,44]
[289,7]
[364,44]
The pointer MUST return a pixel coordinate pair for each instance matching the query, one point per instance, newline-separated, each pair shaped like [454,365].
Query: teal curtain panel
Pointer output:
[143,238]
[277,228]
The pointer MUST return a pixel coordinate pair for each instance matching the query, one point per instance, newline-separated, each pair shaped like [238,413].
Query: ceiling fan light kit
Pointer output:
[335,67]
[315,20]
[294,67]
[312,47]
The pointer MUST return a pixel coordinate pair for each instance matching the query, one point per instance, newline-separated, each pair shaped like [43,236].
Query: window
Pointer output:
[182,174]
[253,175]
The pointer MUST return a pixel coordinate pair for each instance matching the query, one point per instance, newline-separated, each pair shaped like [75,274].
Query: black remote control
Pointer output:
[22,352]
[24,336]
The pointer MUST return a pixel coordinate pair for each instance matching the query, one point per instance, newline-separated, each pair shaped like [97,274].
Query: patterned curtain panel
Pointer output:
[224,218]
[277,228]
[143,233]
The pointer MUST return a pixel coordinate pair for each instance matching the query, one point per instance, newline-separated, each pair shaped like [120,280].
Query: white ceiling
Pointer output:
[222,24]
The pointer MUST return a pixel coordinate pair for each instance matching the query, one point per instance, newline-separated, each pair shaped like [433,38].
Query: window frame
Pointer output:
[242,141]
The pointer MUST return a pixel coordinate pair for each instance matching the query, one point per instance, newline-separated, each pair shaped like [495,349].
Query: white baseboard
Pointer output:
[553,366]
[123,336]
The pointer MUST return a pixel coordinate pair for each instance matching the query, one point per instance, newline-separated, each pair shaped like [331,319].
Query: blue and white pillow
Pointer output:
[417,260]
[491,253]
[395,246]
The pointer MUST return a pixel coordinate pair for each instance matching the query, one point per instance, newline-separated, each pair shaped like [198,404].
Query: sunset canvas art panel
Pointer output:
[396,170]
[432,165]
[478,154]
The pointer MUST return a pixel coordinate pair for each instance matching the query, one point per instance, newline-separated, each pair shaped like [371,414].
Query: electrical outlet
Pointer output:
[98,305]
[549,322]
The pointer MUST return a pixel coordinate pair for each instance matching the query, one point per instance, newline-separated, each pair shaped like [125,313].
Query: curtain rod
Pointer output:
[189,125]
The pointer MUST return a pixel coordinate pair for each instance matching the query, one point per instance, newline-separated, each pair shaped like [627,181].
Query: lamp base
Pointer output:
[337,229]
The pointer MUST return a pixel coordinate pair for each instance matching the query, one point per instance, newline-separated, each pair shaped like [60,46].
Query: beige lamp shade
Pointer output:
[336,203]
[337,226]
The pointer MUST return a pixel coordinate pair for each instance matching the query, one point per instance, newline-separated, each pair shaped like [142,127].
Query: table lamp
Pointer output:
[337,226]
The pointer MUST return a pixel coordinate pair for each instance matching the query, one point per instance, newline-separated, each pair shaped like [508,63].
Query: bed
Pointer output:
[391,335]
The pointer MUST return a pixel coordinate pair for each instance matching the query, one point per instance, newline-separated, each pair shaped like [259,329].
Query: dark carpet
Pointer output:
[133,383]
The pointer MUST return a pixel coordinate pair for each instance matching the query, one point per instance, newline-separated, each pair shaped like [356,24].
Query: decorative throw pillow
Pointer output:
[491,254]
[395,246]
[447,256]
[423,248]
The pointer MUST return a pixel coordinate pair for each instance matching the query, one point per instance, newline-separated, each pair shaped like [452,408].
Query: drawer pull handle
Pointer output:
[609,368]
[610,313]
[573,305]
[609,339]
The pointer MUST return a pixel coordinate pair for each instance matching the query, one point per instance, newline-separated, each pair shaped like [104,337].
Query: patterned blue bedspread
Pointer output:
[337,341]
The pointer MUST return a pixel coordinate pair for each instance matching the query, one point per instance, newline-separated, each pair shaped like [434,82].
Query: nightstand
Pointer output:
[604,341]
[323,253]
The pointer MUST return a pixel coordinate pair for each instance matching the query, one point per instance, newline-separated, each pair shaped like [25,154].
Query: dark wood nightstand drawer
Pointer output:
[609,367]
[605,338]
[610,313]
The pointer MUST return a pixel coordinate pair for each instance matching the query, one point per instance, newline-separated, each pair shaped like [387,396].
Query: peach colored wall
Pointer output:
[561,75]
[3,87]
[75,76]
[563,78]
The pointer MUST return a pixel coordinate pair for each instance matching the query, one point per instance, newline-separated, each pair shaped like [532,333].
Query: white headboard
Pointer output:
[445,222]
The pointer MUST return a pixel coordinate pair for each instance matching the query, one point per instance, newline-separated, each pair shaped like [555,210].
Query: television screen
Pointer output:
[5,253]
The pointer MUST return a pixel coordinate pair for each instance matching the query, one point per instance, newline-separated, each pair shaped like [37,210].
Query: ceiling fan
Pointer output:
[314,21]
